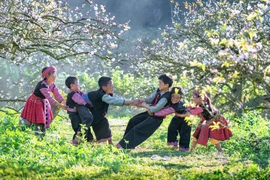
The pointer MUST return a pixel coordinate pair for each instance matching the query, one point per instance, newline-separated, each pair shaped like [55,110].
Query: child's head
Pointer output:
[197,98]
[49,74]
[106,84]
[176,94]
[72,83]
[165,82]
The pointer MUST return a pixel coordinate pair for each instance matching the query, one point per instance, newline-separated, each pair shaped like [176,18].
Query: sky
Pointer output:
[141,13]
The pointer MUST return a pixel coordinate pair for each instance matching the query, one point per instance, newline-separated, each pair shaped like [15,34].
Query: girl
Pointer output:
[37,109]
[178,125]
[209,117]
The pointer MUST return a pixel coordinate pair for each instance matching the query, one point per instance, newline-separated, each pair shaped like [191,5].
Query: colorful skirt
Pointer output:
[37,111]
[222,133]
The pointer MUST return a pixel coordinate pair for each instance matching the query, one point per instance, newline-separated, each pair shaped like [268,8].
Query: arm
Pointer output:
[144,105]
[195,110]
[117,101]
[211,120]
[77,98]
[150,99]
[161,103]
[164,112]
[183,115]
[47,95]
[87,100]
[56,93]
[191,111]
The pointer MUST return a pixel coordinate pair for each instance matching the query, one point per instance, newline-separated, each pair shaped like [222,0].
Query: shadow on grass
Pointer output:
[170,153]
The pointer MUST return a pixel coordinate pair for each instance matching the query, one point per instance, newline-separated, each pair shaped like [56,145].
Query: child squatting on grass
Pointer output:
[37,109]
[210,118]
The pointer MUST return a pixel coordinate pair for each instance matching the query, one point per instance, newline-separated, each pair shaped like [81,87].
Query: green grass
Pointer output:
[23,156]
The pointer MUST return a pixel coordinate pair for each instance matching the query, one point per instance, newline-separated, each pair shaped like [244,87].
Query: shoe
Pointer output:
[173,144]
[75,142]
[118,146]
[221,153]
[181,149]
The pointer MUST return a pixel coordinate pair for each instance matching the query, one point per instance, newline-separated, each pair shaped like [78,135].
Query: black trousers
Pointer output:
[179,126]
[102,130]
[82,117]
[140,128]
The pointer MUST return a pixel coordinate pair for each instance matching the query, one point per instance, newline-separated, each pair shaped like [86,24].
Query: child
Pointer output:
[78,110]
[37,109]
[143,125]
[209,116]
[178,125]
[101,100]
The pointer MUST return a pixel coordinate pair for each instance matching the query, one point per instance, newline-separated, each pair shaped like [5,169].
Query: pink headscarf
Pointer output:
[48,70]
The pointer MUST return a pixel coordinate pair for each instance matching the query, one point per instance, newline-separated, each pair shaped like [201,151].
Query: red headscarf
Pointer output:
[48,71]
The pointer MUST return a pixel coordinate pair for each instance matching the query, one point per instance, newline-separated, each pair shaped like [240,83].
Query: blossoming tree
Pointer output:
[222,46]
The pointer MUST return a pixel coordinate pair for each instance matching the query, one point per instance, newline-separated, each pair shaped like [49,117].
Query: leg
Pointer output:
[217,144]
[140,133]
[85,115]
[89,136]
[173,132]
[75,123]
[184,132]
[40,130]
[136,120]
[194,143]
[86,120]
[102,130]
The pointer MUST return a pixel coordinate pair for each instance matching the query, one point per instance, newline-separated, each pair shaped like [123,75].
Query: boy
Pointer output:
[101,100]
[78,110]
[143,125]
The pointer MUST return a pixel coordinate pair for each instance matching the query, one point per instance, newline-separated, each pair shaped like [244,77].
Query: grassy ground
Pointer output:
[22,156]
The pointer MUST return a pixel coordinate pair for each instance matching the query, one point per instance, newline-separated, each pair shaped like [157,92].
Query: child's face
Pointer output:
[51,77]
[175,98]
[108,88]
[163,86]
[75,86]
[197,100]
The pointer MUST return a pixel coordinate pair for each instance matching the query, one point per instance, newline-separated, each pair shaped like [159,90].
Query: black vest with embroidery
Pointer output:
[207,114]
[100,108]
[70,103]
[39,86]
[165,95]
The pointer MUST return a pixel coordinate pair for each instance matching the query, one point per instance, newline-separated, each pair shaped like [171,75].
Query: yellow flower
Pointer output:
[215,126]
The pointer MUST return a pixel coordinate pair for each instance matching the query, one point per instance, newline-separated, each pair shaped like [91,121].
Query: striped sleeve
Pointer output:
[165,112]
[195,110]
[77,98]
[46,93]
[56,93]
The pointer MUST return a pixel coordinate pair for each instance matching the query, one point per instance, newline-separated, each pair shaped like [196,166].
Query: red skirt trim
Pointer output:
[221,134]
[37,111]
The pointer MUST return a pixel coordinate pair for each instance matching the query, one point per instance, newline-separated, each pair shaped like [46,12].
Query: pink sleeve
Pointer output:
[164,112]
[46,93]
[56,93]
[195,110]
[77,98]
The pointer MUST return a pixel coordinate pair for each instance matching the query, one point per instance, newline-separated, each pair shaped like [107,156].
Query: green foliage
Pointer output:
[23,156]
